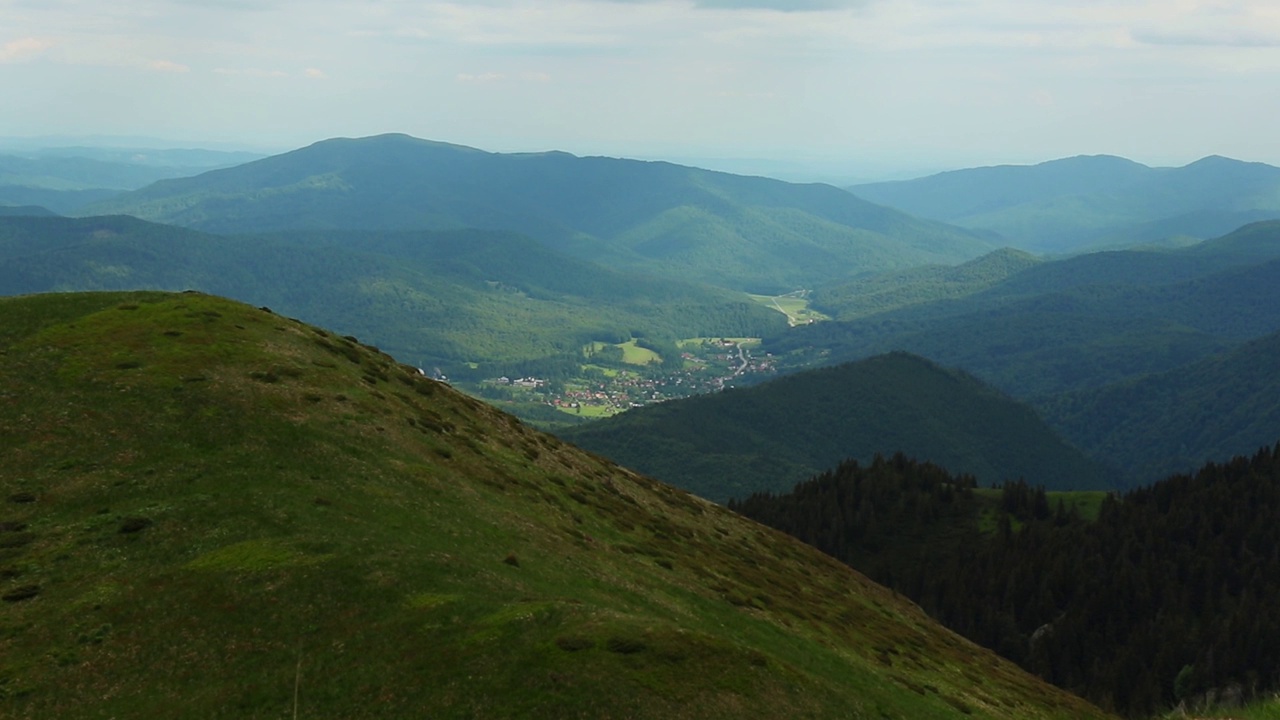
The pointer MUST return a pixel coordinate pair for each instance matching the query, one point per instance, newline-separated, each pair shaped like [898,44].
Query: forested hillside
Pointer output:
[1172,421]
[1081,323]
[1167,594]
[770,436]
[930,283]
[468,301]
[747,233]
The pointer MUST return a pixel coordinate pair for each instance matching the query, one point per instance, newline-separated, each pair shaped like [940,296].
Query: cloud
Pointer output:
[169,66]
[22,49]
[776,5]
[780,5]
[497,77]
[315,73]
[1208,38]
[251,72]
[488,77]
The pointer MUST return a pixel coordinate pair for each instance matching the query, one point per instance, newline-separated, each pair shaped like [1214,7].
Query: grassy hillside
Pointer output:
[1076,203]
[435,299]
[748,233]
[211,510]
[773,435]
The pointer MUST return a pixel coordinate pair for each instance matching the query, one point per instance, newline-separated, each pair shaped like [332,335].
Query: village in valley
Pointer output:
[641,378]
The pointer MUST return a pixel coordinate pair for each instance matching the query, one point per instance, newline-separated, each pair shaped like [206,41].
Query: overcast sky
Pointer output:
[869,83]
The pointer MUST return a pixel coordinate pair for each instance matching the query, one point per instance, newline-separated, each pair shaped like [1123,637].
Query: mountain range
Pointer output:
[1091,202]
[746,233]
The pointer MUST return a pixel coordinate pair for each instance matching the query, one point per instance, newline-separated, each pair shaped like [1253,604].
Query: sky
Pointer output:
[856,87]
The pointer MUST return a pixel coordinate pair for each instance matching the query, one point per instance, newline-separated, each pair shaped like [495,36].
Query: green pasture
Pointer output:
[632,353]
[795,308]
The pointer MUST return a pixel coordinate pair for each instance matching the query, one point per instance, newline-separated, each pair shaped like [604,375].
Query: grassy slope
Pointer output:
[211,510]
[1262,710]
[771,436]
[747,233]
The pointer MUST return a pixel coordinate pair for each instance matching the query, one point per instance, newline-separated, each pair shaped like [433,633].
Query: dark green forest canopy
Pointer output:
[748,233]
[1167,594]
[772,435]
[212,507]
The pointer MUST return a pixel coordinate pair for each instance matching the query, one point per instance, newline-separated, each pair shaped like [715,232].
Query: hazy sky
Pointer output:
[875,83]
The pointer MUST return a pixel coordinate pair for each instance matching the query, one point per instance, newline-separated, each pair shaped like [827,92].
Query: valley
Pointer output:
[637,379]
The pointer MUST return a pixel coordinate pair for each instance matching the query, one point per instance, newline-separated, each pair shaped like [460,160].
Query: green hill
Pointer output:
[1173,421]
[1076,203]
[771,436]
[210,510]
[747,233]
[444,299]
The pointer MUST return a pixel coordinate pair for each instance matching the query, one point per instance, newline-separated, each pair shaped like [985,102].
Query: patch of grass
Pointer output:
[250,556]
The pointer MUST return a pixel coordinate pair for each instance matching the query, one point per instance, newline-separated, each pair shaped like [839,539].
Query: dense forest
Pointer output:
[1166,595]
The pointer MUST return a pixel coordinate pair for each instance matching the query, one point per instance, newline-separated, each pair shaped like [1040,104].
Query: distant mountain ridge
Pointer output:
[742,232]
[66,179]
[1085,202]
[771,436]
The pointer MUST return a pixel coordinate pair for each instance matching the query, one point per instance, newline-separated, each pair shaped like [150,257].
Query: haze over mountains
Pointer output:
[1091,202]
[64,179]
